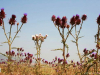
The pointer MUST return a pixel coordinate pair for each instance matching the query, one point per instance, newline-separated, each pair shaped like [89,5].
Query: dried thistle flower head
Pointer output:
[37,37]
[42,39]
[33,37]
[45,36]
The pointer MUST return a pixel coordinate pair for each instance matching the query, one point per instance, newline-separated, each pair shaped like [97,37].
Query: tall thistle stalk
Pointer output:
[36,40]
[77,33]
[63,47]
[98,44]
[62,24]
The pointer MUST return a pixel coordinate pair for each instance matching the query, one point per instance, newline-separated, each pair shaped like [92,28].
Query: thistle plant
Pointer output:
[62,23]
[98,41]
[11,22]
[38,39]
[75,20]
[95,56]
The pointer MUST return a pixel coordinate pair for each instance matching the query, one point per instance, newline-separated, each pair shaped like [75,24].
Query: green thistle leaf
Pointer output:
[4,54]
[80,37]
[5,42]
[57,49]
[73,41]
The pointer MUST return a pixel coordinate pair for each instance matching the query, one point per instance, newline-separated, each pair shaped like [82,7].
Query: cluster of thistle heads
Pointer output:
[61,61]
[92,53]
[39,37]
[29,57]
[12,19]
[75,20]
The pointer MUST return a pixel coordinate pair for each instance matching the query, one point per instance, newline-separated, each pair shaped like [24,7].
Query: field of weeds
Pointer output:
[20,63]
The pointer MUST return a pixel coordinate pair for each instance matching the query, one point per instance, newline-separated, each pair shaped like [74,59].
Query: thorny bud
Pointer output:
[17,49]
[77,16]
[78,63]
[58,21]
[67,55]
[84,50]
[2,13]
[53,18]
[12,20]
[67,26]
[24,18]
[84,17]
[17,24]
[71,61]
[7,52]
[72,20]
[78,21]
[64,20]
[20,49]
[56,58]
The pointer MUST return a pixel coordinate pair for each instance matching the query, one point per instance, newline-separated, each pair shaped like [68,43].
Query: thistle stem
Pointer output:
[69,32]
[77,43]
[63,48]
[80,28]
[4,30]
[17,33]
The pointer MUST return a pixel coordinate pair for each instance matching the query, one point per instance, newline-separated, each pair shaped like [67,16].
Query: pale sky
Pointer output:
[39,13]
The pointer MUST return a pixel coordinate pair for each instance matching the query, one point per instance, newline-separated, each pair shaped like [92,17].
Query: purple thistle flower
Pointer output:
[71,61]
[77,16]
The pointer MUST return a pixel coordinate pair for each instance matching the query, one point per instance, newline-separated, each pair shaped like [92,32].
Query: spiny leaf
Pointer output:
[14,47]
[3,54]
[73,41]
[80,37]
[17,36]
[57,49]
[4,42]
[90,60]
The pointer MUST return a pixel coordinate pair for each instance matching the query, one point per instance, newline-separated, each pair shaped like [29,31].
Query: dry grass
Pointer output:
[46,70]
